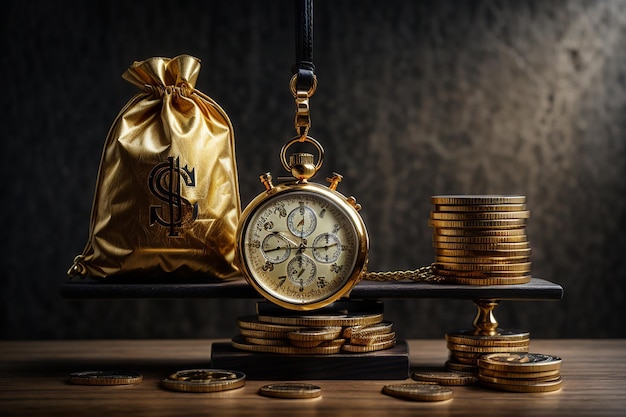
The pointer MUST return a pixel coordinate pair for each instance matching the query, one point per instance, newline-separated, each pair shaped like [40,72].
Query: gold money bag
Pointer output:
[167,197]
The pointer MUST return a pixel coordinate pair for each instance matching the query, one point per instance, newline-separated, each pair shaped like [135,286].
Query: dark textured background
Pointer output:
[415,98]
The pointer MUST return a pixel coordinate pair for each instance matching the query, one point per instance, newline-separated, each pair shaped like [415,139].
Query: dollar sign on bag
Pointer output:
[165,183]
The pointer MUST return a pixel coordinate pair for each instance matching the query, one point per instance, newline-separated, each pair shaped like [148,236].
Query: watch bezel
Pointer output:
[332,196]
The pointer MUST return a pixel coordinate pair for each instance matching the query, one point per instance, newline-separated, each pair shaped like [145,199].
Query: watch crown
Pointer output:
[302,165]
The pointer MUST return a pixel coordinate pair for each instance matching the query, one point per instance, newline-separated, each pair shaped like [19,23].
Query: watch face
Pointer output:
[303,247]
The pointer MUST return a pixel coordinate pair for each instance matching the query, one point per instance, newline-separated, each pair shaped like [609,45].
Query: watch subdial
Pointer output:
[326,248]
[302,221]
[301,271]
[276,249]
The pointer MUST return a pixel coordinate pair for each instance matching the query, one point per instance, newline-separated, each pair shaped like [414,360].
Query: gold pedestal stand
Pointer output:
[485,323]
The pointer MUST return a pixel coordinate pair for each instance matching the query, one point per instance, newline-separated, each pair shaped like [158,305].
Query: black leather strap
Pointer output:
[304,67]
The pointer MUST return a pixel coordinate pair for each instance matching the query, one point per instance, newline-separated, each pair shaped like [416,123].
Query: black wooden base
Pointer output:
[389,364]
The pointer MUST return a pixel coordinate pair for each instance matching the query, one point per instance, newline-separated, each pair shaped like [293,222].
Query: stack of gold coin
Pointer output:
[520,372]
[321,334]
[481,240]
[466,348]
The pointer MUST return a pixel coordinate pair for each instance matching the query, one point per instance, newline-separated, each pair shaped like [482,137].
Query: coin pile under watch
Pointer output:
[466,348]
[481,239]
[520,372]
[321,334]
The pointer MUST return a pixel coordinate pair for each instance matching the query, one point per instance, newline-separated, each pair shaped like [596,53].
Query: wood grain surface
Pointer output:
[34,374]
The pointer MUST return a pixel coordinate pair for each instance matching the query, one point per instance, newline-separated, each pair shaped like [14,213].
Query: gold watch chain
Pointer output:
[421,274]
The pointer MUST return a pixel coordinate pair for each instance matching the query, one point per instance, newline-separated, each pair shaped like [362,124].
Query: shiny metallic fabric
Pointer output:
[167,196]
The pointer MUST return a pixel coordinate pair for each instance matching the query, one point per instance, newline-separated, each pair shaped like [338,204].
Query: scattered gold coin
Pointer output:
[419,391]
[291,390]
[204,380]
[105,378]
[445,377]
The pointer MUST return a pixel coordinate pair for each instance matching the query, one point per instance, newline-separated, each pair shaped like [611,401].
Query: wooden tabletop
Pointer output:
[34,374]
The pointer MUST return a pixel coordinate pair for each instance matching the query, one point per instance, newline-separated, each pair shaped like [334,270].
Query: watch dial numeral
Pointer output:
[281,281]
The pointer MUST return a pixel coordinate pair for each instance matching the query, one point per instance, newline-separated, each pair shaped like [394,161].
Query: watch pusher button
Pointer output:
[334,180]
[352,201]
[266,179]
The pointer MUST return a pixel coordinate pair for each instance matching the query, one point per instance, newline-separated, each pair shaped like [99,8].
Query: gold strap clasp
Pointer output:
[303,114]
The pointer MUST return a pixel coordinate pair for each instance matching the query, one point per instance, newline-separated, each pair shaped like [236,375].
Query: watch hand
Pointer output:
[284,236]
[277,248]
[325,246]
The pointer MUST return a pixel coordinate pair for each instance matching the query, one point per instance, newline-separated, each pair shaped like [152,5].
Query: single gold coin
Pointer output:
[204,380]
[486,349]
[478,215]
[520,362]
[263,334]
[501,338]
[472,200]
[323,320]
[496,247]
[462,232]
[489,281]
[487,254]
[372,338]
[266,342]
[317,343]
[539,386]
[335,342]
[253,323]
[479,208]
[306,343]
[445,377]
[319,334]
[455,365]
[536,376]
[203,375]
[330,349]
[291,390]
[105,378]
[418,391]
[465,360]
[482,239]
[466,357]
[368,348]
[456,266]
[478,224]
[383,327]
[481,259]
[458,354]
[483,274]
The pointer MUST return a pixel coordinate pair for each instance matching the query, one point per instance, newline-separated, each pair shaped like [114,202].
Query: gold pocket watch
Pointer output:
[303,245]
[300,244]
